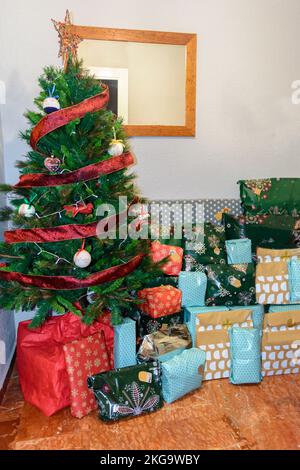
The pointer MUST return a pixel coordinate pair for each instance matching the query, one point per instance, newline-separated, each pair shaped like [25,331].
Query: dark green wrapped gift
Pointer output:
[127,392]
[266,231]
[204,244]
[271,196]
[230,285]
[149,325]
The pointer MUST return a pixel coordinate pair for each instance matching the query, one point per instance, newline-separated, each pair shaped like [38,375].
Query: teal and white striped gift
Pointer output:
[193,287]
[239,251]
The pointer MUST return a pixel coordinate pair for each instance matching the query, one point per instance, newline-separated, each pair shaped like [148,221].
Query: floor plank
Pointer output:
[219,416]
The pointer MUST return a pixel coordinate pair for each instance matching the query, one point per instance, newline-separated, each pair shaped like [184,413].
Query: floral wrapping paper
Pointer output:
[230,285]
[271,196]
[267,231]
[160,301]
[205,244]
[149,325]
[127,392]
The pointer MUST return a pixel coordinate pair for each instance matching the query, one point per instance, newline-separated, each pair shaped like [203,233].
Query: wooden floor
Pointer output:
[219,416]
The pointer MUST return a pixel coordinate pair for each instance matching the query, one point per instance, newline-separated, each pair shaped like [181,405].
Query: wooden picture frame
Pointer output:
[155,37]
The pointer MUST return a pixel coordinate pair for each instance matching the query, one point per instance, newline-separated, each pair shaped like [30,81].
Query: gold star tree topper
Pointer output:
[68,41]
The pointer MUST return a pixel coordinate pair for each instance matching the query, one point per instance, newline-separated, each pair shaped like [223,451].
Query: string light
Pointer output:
[52,254]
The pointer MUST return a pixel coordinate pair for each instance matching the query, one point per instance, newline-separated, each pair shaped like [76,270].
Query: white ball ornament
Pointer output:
[26,210]
[50,104]
[82,259]
[116,148]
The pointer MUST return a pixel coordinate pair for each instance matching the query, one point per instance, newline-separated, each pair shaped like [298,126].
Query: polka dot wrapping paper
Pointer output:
[84,358]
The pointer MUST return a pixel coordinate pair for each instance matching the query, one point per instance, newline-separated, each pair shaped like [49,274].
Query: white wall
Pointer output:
[248,56]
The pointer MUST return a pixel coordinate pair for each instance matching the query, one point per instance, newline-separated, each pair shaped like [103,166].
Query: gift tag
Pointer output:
[145,377]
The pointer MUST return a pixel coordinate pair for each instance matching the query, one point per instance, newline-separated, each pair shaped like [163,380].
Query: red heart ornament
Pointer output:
[52,163]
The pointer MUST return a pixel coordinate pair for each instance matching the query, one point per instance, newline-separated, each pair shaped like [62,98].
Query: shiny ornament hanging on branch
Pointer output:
[116,147]
[51,103]
[82,258]
[27,209]
[52,163]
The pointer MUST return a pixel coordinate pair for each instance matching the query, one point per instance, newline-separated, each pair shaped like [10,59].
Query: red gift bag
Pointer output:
[41,362]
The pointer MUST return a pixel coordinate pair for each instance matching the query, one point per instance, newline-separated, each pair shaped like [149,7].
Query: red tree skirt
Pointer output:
[86,173]
[70,283]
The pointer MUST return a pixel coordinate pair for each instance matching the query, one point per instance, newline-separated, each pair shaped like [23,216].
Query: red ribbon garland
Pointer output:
[60,118]
[70,283]
[86,173]
[59,233]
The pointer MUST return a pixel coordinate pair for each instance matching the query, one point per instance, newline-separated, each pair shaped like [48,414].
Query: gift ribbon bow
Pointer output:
[227,324]
[30,200]
[79,209]
[290,323]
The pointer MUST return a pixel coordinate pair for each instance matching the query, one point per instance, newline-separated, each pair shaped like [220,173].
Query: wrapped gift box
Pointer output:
[149,325]
[125,343]
[191,313]
[281,343]
[239,251]
[193,287]
[127,392]
[182,374]
[165,343]
[160,301]
[174,255]
[85,357]
[212,337]
[272,275]
[245,355]
[41,361]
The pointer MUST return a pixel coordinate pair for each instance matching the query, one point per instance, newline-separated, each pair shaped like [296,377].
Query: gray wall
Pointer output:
[247,59]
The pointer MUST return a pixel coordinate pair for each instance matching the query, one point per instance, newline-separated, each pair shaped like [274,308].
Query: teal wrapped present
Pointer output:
[294,279]
[125,344]
[245,354]
[193,288]
[191,313]
[239,251]
[182,374]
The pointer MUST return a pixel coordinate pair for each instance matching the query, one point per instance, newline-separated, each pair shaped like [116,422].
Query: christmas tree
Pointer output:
[58,257]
